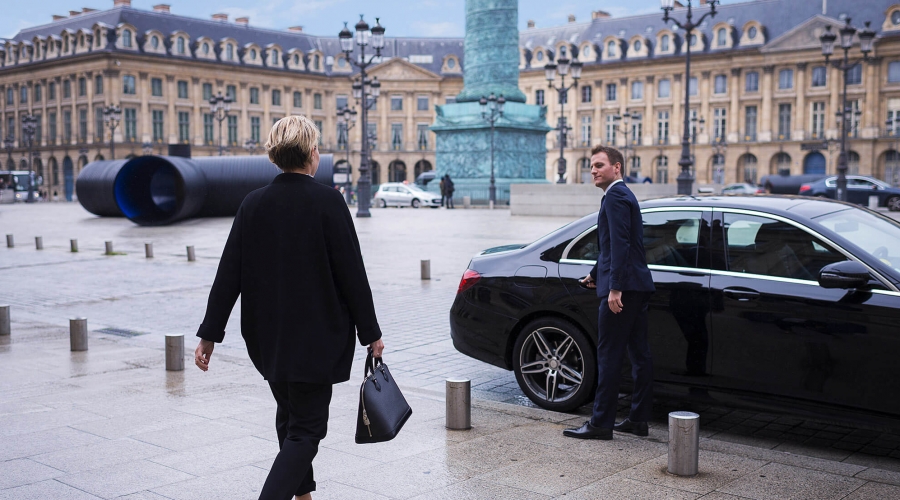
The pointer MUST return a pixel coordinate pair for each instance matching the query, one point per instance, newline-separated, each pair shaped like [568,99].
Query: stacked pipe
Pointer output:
[158,190]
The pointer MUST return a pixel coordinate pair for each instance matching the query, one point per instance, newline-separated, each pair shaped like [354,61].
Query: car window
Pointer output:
[586,248]
[761,245]
[877,235]
[672,238]
[860,183]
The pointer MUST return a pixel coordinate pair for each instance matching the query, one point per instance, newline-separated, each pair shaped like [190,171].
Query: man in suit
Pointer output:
[624,285]
[294,258]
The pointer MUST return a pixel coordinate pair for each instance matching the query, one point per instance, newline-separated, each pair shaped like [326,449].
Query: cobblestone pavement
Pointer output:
[143,299]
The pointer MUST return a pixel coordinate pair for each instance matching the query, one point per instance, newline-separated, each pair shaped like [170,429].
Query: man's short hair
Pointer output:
[612,153]
[291,142]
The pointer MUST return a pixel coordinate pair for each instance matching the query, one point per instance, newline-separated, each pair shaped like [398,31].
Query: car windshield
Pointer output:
[877,235]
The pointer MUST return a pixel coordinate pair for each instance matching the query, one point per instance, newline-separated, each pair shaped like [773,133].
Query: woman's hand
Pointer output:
[377,348]
[203,353]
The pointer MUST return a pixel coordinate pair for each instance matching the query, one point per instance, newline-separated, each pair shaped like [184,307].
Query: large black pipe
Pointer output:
[158,190]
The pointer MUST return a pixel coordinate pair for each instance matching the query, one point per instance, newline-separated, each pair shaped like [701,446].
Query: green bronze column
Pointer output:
[491,51]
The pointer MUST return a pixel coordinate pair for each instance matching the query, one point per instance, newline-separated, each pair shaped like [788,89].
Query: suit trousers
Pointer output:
[301,421]
[618,333]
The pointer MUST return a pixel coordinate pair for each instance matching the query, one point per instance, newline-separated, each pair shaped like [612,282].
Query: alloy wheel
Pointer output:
[552,364]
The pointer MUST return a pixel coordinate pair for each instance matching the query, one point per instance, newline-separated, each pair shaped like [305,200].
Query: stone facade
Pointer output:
[755,62]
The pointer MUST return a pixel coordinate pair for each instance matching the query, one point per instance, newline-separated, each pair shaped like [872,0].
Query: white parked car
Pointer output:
[398,194]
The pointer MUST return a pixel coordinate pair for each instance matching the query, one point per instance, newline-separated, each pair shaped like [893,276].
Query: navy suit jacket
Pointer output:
[622,263]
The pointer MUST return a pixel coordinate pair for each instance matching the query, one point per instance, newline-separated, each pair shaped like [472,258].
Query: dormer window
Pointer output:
[693,40]
[274,58]
[562,51]
[611,49]
[296,59]
[154,42]
[316,62]
[451,63]
[664,43]
[752,32]
[721,36]
[66,44]
[586,51]
[205,48]
[539,56]
[895,17]
[637,45]
[342,63]
[97,38]
[179,45]
[126,39]
[252,54]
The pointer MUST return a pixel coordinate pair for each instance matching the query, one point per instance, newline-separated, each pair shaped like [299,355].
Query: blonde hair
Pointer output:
[291,142]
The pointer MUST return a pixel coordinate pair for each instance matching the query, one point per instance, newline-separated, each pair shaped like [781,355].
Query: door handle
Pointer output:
[741,295]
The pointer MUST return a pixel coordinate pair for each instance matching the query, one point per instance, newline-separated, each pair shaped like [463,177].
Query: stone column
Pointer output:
[91,131]
[872,121]
[59,115]
[649,96]
[75,126]
[409,143]
[735,111]
[799,124]
[624,99]
[329,127]
[171,94]
[267,111]
[676,121]
[44,121]
[765,121]
[835,81]
[197,115]
[597,129]
[703,138]
[145,121]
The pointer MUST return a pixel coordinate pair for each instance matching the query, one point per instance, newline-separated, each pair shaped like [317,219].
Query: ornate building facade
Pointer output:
[762,97]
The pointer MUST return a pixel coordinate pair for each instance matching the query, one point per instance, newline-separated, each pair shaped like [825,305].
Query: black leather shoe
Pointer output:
[636,428]
[588,431]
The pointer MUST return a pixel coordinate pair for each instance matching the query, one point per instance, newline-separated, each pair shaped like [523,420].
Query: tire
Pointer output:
[893,203]
[416,203]
[579,360]
[382,203]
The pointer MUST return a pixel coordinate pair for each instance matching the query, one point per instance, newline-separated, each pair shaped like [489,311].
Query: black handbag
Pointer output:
[382,408]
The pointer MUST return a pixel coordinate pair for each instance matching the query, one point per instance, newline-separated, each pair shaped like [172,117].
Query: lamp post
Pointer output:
[251,146]
[491,111]
[866,39]
[112,115]
[626,131]
[363,88]
[685,177]
[9,143]
[719,148]
[29,127]
[347,120]
[219,106]
[561,68]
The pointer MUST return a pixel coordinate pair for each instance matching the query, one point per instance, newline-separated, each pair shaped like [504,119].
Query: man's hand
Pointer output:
[588,282]
[377,348]
[203,353]
[615,301]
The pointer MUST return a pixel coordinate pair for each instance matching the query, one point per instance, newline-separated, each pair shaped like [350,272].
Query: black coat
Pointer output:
[294,258]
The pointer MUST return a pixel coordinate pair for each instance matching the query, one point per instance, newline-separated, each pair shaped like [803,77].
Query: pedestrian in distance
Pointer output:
[624,285]
[450,188]
[443,186]
[294,258]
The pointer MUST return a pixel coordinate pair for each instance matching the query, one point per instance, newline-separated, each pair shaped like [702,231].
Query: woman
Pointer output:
[294,258]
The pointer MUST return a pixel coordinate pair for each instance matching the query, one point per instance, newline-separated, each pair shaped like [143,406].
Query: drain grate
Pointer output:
[121,332]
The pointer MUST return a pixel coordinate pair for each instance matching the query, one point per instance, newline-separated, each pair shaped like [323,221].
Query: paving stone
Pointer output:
[34,443]
[785,481]
[43,490]
[618,487]
[407,477]
[477,489]
[874,491]
[24,471]
[214,456]
[234,484]
[97,455]
[124,479]
[880,476]
[716,470]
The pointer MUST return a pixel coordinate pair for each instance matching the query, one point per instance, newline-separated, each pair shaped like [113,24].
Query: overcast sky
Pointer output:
[325,17]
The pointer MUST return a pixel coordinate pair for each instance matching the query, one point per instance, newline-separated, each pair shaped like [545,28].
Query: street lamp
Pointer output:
[29,127]
[491,111]
[112,115]
[251,146]
[562,68]
[719,148]
[625,119]
[685,177]
[9,143]
[219,106]
[347,120]
[363,88]
[866,39]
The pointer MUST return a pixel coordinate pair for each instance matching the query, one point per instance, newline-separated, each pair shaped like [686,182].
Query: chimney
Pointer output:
[121,3]
[704,2]
[531,23]
[58,18]
[85,10]
[73,13]
[222,18]
[161,8]
[600,14]
[244,21]
[296,29]
[571,18]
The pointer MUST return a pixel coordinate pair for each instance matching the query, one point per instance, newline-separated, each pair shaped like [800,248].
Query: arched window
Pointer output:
[637,45]
[562,51]
[539,56]
[586,51]
[664,43]
[891,173]
[751,33]
[316,62]
[852,163]
[584,169]
[718,170]
[693,40]
[126,39]
[274,58]
[611,49]
[662,169]
[154,42]
[721,37]
[748,167]
[782,164]
[66,43]
[296,59]
[179,45]
[229,52]
[205,48]
[252,54]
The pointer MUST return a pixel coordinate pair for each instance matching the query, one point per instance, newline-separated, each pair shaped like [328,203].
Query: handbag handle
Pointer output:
[371,363]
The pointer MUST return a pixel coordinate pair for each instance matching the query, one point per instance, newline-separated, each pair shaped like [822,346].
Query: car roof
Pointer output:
[791,206]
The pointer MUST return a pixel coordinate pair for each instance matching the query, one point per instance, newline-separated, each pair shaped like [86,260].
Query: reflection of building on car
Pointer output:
[398,194]
[787,303]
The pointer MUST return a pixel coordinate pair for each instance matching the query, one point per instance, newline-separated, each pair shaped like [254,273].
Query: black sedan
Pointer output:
[859,188]
[784,303]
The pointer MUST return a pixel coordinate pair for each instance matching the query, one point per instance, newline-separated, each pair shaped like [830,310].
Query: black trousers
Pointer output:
[301,421]
[618,333]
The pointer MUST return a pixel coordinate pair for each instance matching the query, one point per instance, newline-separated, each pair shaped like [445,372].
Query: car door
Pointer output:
[404,196]
[859,190]
[676,242]
[777,332]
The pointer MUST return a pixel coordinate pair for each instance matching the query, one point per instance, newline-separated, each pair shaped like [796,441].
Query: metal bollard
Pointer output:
[73,245]
[109,248]
[5,328]
[873,202]
[38,242]
[78,334]
[10,243]
[684,443]
[191,256]
[426,269]
[459,404]
[175,352]
[148,250]
[467,202]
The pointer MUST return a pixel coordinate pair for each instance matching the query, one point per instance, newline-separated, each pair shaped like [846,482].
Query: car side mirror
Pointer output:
[847,274]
